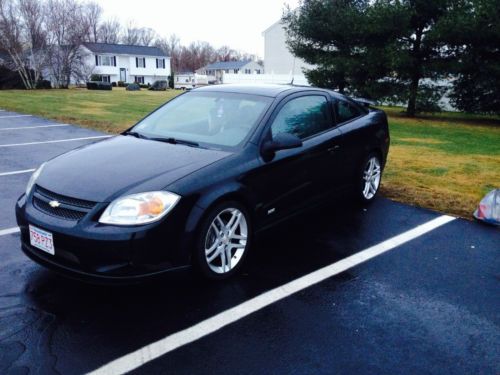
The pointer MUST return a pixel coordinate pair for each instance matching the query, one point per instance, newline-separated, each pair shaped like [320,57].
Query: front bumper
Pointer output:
[95,252]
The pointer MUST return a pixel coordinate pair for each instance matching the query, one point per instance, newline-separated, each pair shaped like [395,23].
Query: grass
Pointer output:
[102,110]
[445,161]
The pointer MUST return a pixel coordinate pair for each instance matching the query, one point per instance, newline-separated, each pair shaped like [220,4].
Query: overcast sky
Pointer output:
[236,23]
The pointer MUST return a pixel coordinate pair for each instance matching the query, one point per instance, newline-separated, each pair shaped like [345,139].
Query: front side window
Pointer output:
[210,118]
[345,111]
[303,117]
[160,63]
[105,60]
[106,79]
[140,62]
[139,79]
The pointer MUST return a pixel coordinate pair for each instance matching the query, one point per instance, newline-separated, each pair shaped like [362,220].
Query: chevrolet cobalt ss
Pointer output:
[193,182]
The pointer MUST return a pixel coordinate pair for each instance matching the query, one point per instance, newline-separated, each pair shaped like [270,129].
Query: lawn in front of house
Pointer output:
[444,161]
[108,111]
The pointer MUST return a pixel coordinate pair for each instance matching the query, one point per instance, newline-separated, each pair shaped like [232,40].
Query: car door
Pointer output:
[292,179]
[353,123]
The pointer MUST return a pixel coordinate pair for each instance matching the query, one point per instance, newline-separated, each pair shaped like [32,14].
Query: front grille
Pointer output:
[68,209]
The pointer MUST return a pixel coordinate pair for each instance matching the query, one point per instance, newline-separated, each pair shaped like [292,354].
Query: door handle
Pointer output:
[333,149]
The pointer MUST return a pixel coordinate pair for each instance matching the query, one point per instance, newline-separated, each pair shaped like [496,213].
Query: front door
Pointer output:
[123,75]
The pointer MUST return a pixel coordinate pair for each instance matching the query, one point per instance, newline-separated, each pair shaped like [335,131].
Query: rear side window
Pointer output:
[345,111]
[303,117]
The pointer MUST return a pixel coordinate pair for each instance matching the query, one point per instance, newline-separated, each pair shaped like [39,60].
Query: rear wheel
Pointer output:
[223,241]
[370,178]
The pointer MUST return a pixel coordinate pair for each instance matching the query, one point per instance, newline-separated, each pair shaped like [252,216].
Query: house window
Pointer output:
[139,79]
[140,62]
[160,63]
[248,71]
[236,71]
[257,71]
[106,79]
[105,60]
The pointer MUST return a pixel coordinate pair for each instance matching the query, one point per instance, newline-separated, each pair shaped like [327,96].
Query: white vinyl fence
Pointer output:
[298,79]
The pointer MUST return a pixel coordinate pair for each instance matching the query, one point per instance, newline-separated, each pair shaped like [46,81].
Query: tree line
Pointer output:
[45,35]
[402,51]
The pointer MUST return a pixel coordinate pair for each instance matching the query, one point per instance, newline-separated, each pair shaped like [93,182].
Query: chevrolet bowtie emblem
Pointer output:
[54,204]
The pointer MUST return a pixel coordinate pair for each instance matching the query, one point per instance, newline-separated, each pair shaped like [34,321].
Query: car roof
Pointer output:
[271,90]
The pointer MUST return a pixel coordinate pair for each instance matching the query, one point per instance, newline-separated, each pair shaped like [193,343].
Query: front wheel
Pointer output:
[369,179]
[223,241]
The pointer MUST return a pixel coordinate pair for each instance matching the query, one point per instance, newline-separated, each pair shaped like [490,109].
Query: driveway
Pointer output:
[383,290]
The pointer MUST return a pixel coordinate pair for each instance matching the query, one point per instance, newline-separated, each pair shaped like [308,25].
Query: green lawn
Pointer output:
[444,161]
[103,110]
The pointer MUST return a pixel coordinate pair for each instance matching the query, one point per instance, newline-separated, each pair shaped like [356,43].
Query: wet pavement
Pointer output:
[429,306]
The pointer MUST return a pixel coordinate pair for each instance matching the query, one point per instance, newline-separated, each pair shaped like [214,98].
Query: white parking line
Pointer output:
[17,172]
[13,116]
[159,348]
[56,141]
[4,232]
[35,127]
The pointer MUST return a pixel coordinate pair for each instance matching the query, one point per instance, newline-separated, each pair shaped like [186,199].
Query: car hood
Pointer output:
[102,171]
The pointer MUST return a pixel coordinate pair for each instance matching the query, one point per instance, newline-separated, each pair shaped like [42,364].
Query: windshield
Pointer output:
[213,118]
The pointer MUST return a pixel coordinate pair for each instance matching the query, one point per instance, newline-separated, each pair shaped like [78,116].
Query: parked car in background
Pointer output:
[193,182]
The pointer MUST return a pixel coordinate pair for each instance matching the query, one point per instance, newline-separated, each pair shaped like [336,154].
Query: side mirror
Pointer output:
[281,141]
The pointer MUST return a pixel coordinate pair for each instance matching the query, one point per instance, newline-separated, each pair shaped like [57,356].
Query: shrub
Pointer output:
[133,87]
[99,85]
[143,86]
[95,78]
[159,86]
[43,84]
[113,84]
[122,84]
[10,79]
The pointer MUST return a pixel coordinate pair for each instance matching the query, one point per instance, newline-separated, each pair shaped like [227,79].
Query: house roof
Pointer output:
[221,65]
[125,49]
[272,26]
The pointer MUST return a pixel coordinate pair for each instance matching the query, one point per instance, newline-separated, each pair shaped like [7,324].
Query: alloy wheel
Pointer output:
[226,240]
[371,177]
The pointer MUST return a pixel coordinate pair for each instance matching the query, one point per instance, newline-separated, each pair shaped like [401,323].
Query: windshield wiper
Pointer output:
[175,141]
[135,134]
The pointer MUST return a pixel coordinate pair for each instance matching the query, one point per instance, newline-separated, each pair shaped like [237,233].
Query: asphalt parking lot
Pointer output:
[425,303]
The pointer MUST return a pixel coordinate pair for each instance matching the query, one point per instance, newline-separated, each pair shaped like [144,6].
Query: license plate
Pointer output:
[42,239]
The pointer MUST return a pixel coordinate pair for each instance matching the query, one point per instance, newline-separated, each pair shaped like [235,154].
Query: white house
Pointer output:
[277,58]
[127,63]
[216,70]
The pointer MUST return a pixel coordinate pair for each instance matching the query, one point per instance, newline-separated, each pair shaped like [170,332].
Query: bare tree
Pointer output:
[92,13]
[226,53]
[109,32]
[147,36]
[131,34]
[16,37]
[66,30]
[172,47]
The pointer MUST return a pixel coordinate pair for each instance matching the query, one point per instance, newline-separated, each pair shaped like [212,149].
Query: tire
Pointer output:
[369,179]
[216,239]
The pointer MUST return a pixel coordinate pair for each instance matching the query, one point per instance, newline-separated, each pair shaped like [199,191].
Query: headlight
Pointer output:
[33,179]
[140,208]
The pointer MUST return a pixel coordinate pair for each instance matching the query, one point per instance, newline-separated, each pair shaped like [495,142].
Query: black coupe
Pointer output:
[193,182]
